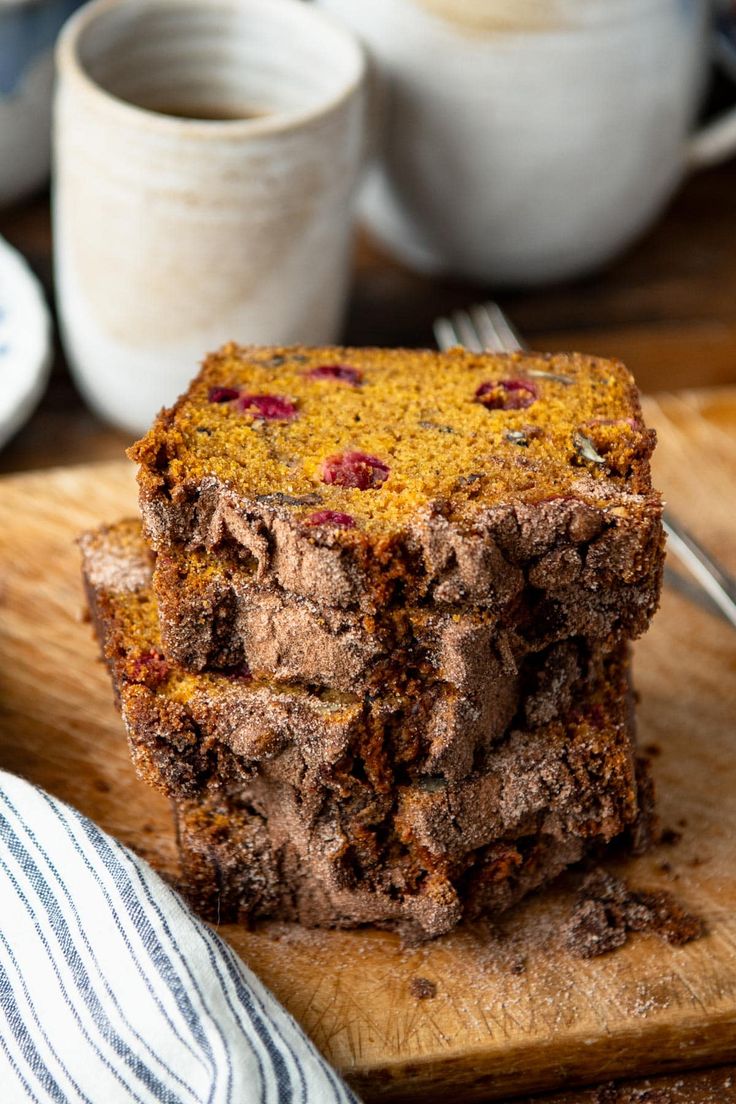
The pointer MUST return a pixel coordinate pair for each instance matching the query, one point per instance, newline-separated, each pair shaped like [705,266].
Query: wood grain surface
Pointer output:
[491,1031]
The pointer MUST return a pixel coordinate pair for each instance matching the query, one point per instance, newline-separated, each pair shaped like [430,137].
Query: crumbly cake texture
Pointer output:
[339,859]
[367,478]
[244,859]
[335,812]
[235,870]
[608,910]
[214,615]
[438,716]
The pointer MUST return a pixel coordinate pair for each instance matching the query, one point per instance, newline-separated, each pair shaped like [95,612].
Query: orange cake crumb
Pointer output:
[379,434]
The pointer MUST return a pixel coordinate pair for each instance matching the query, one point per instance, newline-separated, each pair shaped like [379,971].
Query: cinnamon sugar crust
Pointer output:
[214,614]
[427,719]
[249,855]
[341,811]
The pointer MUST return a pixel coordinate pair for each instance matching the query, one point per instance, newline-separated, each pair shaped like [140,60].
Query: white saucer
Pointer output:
[25,341]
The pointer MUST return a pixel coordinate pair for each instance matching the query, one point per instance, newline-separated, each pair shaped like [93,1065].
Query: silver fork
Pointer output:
[486,327]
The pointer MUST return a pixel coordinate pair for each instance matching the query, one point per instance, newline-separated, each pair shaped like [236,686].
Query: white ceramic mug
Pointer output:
[525,141]
[175,234]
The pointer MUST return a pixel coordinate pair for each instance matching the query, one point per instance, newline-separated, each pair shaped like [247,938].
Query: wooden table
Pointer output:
[668,308]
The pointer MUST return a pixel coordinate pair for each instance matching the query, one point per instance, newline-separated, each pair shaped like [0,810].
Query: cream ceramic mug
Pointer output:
[524,141]
[206,156]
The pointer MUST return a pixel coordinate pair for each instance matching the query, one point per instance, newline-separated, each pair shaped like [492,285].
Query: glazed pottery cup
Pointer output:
[28,29]
[206,156]
[524,141]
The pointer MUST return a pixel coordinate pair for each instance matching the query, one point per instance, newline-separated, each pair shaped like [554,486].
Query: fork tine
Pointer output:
[495,328]
[485,325]
[466,331]
[714,580]
[444,334]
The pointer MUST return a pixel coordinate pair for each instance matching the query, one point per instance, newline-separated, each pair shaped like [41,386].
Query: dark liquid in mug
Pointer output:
[199,112]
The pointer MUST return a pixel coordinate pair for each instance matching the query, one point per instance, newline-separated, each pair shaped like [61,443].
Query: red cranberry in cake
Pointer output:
[223,394]
[343,373]
[355,469]
[334,518]
[507,394]
[272,408]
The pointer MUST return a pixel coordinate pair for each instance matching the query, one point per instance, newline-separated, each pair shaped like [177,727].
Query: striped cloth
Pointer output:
[112,991]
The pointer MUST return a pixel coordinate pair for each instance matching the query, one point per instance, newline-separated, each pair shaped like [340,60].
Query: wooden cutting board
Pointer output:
[490,1031]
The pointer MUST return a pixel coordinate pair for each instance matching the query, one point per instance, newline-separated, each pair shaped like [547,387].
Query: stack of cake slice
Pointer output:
[372,636]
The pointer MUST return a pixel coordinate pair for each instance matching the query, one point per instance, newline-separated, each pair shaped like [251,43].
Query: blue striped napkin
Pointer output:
[112,991]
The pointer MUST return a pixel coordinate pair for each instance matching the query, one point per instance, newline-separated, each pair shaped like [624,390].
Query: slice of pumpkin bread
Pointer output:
[436,717]
[214,615]
[250,853]
[238,866]
[371,479]
[320,784]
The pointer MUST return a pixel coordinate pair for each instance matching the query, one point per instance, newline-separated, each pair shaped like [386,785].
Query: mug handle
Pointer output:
[713,143]
[716,141]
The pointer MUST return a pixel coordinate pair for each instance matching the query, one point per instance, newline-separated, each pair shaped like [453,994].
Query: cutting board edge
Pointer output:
[668,1047]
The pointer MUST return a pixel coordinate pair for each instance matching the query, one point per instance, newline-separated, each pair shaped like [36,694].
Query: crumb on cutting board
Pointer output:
[608,910]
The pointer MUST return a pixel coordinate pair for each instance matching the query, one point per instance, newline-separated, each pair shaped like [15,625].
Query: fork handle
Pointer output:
[712,577]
